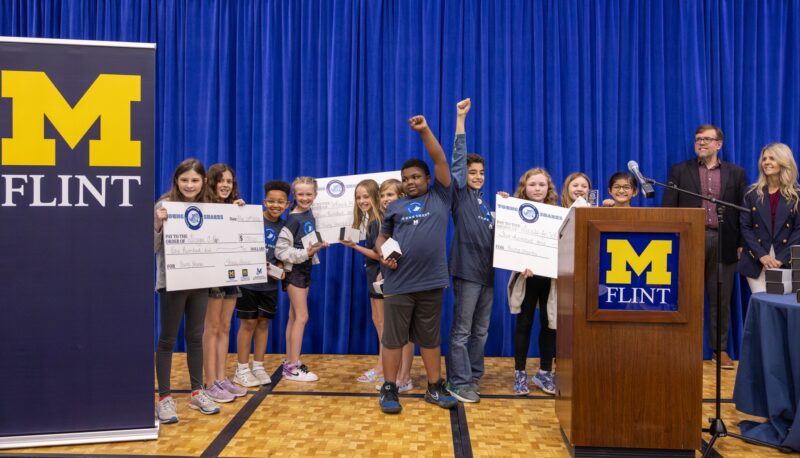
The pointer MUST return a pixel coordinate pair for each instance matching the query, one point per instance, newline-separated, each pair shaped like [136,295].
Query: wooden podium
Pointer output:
[629,374]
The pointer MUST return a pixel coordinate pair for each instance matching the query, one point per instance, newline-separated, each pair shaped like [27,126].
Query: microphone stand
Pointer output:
[716,426]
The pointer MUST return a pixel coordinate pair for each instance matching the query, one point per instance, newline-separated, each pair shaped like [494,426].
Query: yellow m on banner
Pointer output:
[35,96]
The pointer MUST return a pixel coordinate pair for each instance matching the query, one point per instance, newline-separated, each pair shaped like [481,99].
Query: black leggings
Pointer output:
[172,307]
[537,289]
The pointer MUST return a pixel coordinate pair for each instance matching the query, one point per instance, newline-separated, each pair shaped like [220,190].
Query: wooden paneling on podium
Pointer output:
[630,331]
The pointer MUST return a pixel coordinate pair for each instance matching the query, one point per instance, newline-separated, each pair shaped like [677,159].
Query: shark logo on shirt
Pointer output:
[414,208]
[308,227]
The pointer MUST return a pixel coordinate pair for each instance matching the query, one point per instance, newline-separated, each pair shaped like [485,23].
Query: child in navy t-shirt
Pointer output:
[471,268]
[413,284]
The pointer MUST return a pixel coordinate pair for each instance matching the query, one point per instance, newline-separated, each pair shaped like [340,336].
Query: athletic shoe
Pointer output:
[401,387]
[261,375]
[299,374]
[388,399]
[370,376]
[219,394]
[167,410]
[408,386]
[463,393]
[438,394]
[521,383]
[203,403]
[475,386]
[545,381]
[247,378]
[226,385]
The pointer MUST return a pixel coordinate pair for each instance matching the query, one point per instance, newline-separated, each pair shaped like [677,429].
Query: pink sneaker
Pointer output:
[218,394]
[228,386]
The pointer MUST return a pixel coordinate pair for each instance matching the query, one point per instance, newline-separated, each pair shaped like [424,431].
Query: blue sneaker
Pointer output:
[437,394]
[389,401]
[545,381]
[521,383]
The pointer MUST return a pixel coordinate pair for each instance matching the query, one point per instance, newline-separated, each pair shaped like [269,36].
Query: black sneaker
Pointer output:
[389,401]
[438,394]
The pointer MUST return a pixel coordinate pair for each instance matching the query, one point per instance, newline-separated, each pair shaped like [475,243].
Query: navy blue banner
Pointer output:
[76,204]
[638,271]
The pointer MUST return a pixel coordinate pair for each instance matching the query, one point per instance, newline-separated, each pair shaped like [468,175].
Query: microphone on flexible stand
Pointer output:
[644,183]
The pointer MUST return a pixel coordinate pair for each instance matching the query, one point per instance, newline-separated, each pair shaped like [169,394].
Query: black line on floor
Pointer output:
[71,455]
[714,453]
[514,396]
[712,400]
[235,424]
[462,446]
[412,395]
[338,393]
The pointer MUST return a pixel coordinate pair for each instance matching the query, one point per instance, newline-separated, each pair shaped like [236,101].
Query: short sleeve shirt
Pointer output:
[271,231]
[300,224]
[420,227]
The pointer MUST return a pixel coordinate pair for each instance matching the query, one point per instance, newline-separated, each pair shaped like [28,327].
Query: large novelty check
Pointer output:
[333,206]
[526,236]
[207,245]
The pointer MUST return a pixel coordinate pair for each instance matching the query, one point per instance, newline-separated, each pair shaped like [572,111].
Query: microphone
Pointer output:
[647,188]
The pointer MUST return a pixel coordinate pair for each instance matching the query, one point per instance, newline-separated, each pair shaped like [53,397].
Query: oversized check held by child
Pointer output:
[526,236]
[209,245]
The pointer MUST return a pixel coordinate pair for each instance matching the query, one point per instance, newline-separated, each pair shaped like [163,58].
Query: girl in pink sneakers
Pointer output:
[221,188]
[297,261]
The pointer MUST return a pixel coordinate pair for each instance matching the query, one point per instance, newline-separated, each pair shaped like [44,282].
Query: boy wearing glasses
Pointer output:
[706,174]
[259,302]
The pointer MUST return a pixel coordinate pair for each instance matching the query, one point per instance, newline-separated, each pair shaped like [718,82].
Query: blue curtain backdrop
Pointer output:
[285,88]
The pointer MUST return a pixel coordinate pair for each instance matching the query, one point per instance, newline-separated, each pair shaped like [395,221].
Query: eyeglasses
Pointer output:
[624,187]
[705,139]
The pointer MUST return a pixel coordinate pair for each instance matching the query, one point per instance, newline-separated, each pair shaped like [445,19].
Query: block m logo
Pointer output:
[655,255]
[34,97]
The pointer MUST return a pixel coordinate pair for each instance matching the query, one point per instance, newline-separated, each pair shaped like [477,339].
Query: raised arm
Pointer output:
[441,169]
[459,160]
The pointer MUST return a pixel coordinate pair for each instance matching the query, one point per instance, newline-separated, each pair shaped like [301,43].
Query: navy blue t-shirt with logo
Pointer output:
[300,224]
[420,227]
[371,265]
[472,246]
[271,231]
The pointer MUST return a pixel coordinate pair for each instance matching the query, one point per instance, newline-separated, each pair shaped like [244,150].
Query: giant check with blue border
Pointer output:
[526,236]
[333,206]
[209,245]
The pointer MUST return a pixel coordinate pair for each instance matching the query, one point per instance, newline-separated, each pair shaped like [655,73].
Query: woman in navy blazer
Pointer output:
[773,224]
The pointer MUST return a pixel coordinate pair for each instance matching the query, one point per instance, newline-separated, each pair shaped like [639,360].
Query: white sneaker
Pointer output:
[167,410]
[246,378]
[262,376]
[401,387]
[299,374]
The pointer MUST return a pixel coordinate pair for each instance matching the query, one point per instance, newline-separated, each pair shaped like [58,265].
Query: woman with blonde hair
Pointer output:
[773,224]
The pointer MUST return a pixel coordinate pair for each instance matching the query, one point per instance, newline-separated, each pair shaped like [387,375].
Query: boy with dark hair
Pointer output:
[471,268]
[259,302]
[413,284]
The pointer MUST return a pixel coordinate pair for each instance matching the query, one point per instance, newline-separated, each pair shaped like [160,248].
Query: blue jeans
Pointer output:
[472,312]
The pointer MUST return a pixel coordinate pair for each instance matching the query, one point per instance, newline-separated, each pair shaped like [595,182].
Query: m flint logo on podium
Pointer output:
[638,271]
[33,173]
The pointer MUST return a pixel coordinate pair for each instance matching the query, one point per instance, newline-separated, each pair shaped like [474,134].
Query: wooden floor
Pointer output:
[339,416]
